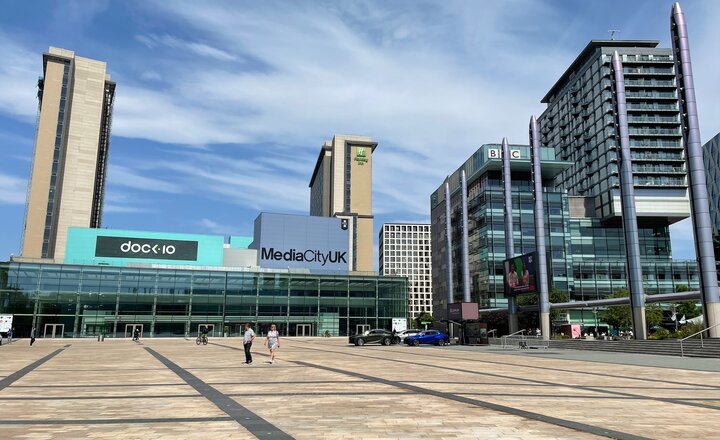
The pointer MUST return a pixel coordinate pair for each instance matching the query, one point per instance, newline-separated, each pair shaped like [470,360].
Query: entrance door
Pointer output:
[303,330]
[54,331]
[361,328]
[210,328]
[130,329]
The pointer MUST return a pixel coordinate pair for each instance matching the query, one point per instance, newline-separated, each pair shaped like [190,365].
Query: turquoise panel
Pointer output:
[81,245]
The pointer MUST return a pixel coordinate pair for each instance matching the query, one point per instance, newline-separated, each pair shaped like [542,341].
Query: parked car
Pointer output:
[409,332]
[377,335]
[428,337]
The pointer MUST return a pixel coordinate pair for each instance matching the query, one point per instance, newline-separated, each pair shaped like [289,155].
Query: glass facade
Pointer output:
[711,157]
[79,301]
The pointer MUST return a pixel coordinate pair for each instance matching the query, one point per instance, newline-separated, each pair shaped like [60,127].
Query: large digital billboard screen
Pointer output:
[135,247]
[520,274]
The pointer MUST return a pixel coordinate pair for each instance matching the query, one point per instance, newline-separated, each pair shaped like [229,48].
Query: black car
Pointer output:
[377,335]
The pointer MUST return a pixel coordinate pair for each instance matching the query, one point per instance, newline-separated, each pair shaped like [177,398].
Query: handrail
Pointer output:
[702,343]
[492,331]
[505,338]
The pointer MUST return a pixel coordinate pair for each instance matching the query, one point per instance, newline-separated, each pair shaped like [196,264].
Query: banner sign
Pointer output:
[147,248]
[5,323]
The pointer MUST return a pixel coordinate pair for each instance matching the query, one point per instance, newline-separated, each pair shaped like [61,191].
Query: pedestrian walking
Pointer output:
[248,339]
[272,340]
[136,334]
[10,334]
[32,336]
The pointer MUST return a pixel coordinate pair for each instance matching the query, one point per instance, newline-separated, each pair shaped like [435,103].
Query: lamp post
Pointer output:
[595,312]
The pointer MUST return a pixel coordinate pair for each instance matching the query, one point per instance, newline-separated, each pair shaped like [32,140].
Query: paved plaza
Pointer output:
[324,389]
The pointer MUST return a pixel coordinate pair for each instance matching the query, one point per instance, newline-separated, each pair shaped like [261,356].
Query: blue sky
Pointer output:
[222,107]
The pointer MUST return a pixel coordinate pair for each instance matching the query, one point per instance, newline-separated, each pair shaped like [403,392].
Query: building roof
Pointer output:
[585,54]
[328,146]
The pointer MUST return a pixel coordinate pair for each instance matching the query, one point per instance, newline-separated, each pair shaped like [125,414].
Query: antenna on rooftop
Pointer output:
[613,32]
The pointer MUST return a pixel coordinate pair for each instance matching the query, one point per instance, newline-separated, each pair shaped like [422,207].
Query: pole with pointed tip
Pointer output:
[697,180]
[509,242]
[627,199]
[465,252]
[539,214]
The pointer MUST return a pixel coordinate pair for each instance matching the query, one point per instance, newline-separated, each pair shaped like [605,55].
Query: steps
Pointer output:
[692,347]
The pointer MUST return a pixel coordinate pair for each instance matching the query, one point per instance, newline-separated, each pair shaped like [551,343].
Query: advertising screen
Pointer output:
[5,323]
[520,275]
[133,247]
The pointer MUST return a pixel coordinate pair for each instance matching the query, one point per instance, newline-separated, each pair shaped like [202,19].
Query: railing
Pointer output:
[493,331]
[702,342]
[505,338]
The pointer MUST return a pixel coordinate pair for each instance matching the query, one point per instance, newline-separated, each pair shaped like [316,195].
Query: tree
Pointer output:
[620,317]
[423,317]
[682,288]
[531,319]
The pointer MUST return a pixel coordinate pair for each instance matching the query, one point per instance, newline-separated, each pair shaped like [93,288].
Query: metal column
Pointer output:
[539,214]
[697,180]
[448,237]
[627,196]
[509,242]
[465,258]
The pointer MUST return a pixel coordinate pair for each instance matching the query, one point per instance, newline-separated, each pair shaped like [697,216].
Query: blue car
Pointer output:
[428,337]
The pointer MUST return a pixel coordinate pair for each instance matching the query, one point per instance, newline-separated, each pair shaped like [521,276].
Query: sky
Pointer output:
[221,107]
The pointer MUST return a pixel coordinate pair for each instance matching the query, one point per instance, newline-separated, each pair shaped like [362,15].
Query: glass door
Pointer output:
[303,330]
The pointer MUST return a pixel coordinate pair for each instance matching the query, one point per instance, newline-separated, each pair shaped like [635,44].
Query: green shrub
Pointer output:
[560,336]
[689,329]
[662,333]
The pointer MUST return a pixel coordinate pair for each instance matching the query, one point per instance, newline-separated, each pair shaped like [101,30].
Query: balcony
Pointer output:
[648,71]
[643,94]
[656,120]
[654,132]
[657,169]
[652,106]
[663,157]
[658,181]
[655,143]
[649,83]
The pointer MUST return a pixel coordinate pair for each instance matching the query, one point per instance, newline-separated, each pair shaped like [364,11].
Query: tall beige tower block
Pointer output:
[67,184]
[341,186]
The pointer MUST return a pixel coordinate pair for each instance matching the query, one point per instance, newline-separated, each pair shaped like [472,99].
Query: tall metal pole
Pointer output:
[465,257]
[509,243]
[697,180]
[627,196]
[448,236]
[544,297]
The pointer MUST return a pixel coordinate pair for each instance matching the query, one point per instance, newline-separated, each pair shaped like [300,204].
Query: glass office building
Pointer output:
[586,256]
[63,300]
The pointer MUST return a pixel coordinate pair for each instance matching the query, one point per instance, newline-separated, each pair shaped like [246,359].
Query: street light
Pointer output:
[595,312]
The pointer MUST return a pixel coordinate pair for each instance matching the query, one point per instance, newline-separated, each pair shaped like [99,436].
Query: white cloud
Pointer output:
[202,49]
[19,73]
[214,227]
[126,177]
[13,190]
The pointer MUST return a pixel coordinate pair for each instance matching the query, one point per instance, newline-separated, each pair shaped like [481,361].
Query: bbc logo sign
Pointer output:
[494,153]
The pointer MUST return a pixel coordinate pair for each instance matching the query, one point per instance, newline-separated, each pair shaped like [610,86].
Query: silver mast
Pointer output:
[465,258]
[509,242]
[544,297]
[627,196]
[697,180]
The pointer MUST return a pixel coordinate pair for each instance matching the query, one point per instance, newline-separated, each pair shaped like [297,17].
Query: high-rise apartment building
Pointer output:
[711,157]
[71,147]
[579,124]
[341,186]
[405,250]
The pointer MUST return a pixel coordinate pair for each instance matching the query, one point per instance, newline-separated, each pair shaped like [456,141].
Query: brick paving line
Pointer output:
[255,424]
[19,374]
[537,381]
[577,426]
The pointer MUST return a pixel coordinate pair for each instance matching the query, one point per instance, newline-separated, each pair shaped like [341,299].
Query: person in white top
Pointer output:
[272,340]
[248,339]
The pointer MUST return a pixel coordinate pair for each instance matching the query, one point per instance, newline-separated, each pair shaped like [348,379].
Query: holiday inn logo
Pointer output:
[360,156]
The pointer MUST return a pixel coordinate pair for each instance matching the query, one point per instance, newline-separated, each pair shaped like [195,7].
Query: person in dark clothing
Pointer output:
[32,336]
[136,334]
